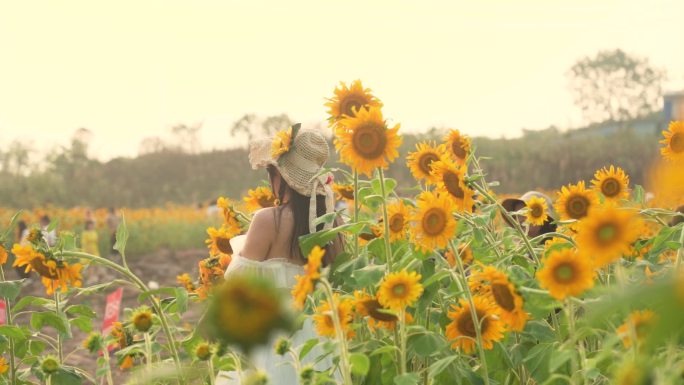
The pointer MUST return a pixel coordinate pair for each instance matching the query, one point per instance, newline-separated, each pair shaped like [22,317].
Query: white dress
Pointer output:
[281,273]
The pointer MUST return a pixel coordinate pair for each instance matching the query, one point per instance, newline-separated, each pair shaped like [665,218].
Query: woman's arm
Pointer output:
[260,235]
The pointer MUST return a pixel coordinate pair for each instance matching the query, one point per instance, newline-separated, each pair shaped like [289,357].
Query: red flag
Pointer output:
[3,312]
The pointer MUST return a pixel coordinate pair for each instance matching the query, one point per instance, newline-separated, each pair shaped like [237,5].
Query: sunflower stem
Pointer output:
[148,352]
[572,336]
[473,313]
[402,338]
[385,219]
[356,212]
[344,354]
[12,371]
[680,251]
[60,349]
[210,369]
[108,367]
[155,304]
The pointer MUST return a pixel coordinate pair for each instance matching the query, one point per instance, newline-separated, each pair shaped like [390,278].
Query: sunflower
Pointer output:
[399,290]
[365,141]
[93,343]
[575,201]
[219,240]
[34,260]
[673,141]
[641,321]
[458,146]
[185,281]
[612,182]
[464,251]
[259,198]
[461,330]
[3,254]
[203,351]
[537,211]
[433,223]
[556,243]
[312,273]
[4,367]
[450,180]
[397,217]
[121,335]
[67,275]
[142,319]
[325,326]
[349,100]
[419,162]
[378,316]
[496,285]
[607,234]
[229,215]
[344,191]
[566,273]
[210,272]
[281,143]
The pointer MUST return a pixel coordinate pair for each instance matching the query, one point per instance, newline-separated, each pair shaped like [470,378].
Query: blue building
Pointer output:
[673,107]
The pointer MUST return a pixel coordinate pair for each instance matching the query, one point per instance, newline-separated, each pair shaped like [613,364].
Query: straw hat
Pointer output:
[300,160]
[511,203]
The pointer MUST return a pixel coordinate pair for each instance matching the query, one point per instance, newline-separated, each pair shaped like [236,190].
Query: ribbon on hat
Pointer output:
[320,180]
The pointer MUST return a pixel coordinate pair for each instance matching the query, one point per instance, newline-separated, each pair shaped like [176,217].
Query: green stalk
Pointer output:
[402,338]
[210,368]
[572,336]
[155,304]
[388,248]
[108,366]
[8,306]
[60,349]
[473,313]
[148,352]
[680,252]
[345,367]
[356,212]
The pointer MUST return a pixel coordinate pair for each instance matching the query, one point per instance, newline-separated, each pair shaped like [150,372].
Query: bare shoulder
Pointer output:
[260,235]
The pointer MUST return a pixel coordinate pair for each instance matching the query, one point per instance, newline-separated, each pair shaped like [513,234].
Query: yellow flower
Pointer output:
[312,273]
[400,290]
[464,251]
[349,100]
[219,240]
[461,330]
[496,285]
[344,191]
[556,243]
[4,367]
[27,256]
[537,211]
[67,275]
[142,319]
[450,180]
[211,271]
[458,146]
[229,214]
[378,316]
[365,141]
[259,198]
[673,141]
[203,351]
[3,254]
[419,162]
[323,319]
[641,322]
[575,201]
[93,343]
[566,273]
[612,182]
[185,281]
[122,336]
[281,143]
[397,217]
[126,362]
[433,223]
[607,234]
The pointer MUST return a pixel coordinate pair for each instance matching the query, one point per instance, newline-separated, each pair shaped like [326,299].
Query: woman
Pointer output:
[270,248]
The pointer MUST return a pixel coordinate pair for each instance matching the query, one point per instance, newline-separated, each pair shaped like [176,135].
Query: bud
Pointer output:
[142,319]
[306,375]
[257,378]
[282,346]
[203,351]
[93,343]
[49,365]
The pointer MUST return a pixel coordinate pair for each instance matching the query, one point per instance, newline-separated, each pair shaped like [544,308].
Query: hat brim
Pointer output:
[510,203]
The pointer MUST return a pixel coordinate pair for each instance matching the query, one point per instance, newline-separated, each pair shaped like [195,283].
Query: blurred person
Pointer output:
[270,248]
[50,235]
[113,221]
[89,239]
[516,204]
[212,209]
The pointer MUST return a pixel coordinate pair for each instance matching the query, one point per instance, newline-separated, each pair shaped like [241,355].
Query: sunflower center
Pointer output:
[564,273]
[607,232]
[351,104]
[347,193]
[43,269]
[425,161]
[265,201]
[577,206]
[610,187]
[223,244]
[677,142]
[369,141]
[399,290]
[458,150]
[452,184]
[373,307]
[466,325]
[536,211]
[396,223]
[503,296]
[434,221]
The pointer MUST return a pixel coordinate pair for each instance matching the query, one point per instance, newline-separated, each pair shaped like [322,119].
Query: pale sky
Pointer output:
[131,69]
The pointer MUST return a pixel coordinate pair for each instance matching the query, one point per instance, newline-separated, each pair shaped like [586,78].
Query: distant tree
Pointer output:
[616,86]
[16,160]
[251,126]
[187,137]
[151,145]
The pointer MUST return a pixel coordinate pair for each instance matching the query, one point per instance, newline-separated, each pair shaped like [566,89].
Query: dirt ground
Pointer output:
[161,267]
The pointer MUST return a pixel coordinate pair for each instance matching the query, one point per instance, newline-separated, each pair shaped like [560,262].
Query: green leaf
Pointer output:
[407,379]
[320,238]
[12,331]
[85,324]
[65,376]
[558,359]
[306,348]
[426,344]
[36,347]
[369,275]
[48,318]
[181,300]
[53,225]
[436,278]
[360,364]
[82,310]
[121,236]
[30,300]
[439,366]
[10,289]
[10,227]
[169,291]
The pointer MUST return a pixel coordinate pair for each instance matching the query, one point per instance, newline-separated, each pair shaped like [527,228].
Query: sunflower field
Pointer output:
[442,282]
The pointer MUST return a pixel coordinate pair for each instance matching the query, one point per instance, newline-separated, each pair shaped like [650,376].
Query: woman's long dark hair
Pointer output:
[299,205]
